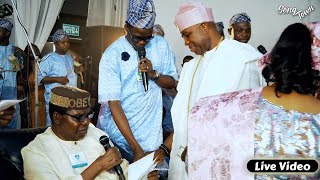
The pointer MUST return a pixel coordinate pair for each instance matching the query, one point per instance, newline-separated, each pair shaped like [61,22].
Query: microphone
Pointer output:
[104,141]
[142,54]
[5,10]
[262,49]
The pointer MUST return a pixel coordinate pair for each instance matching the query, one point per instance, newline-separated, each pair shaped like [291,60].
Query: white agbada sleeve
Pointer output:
[179,113]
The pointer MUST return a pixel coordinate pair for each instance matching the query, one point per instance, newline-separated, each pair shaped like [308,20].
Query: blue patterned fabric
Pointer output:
[240,17]
[141,14]
[5,23]
[55,65]
[8,82]
[286,134]
[58,35]
[118,80]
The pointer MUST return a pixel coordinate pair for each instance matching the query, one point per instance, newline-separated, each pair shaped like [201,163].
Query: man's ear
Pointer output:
[126,28]
[229,30]
[56,118]
[205,26]
[8,33]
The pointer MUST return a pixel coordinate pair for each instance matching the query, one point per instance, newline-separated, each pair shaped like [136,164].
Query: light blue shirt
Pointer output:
[8,83]
[56,65]
[118,80]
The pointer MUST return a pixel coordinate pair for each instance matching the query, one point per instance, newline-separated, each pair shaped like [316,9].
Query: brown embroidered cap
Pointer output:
[70,97]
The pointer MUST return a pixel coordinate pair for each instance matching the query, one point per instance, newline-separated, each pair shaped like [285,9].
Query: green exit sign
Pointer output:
[72,30]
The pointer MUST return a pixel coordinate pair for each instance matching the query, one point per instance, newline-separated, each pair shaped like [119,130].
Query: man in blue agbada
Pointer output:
[57,68]
[11,61]
[129,114]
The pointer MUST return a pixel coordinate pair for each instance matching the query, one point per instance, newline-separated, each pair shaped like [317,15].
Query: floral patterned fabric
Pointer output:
[228,130]
[315,47]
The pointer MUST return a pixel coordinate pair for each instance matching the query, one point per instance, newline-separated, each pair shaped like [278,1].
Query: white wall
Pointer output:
[267,24]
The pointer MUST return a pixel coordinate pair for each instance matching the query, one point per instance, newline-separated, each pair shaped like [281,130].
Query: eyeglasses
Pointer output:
[82,117]
[139,38]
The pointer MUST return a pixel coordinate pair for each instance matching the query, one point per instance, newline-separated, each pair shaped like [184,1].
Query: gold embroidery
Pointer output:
[69,103]
[59,100]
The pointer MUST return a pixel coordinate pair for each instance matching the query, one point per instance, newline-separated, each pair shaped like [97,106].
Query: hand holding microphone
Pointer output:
[112,156]
[110,159]
[145,66]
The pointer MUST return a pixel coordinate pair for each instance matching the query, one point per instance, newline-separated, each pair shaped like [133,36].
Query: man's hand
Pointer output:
[18,51]
[63,80]
[6,116]
[110,159]
[154,175]
[103,163]
[145,65]
[138,153]
[159,156]
[184,154]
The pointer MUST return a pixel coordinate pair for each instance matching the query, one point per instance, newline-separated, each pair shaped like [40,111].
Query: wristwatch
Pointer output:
[157,75]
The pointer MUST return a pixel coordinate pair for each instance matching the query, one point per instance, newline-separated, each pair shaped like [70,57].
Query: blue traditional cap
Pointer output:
[220,26]
[6,24]
[58,35]
[141,14]
[158,29]
[240,17]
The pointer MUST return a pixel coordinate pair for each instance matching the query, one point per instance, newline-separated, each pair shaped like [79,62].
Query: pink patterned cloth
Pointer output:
[228,130]
[264,60]
[315,47]
[221,131]
[192,13]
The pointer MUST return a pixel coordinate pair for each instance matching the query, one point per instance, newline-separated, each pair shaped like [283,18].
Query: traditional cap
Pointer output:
[240,17]
[158,29]
[6,24]
[59,35]
[192,13]
[141,14]
[220,27]
[70,97]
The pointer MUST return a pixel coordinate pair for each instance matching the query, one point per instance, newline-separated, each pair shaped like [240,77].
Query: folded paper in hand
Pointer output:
[140,169]
[5,104]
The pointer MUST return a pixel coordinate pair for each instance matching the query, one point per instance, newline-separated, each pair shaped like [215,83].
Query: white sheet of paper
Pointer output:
[5,104]
[140,169]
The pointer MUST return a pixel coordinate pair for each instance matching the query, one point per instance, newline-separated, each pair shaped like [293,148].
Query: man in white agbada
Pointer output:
[222,66]
[70,149]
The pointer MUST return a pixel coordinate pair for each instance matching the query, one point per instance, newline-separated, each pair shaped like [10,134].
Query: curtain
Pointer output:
[38,17]
[107,12]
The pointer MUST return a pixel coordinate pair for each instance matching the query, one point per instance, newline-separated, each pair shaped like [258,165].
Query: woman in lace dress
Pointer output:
[277,121]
